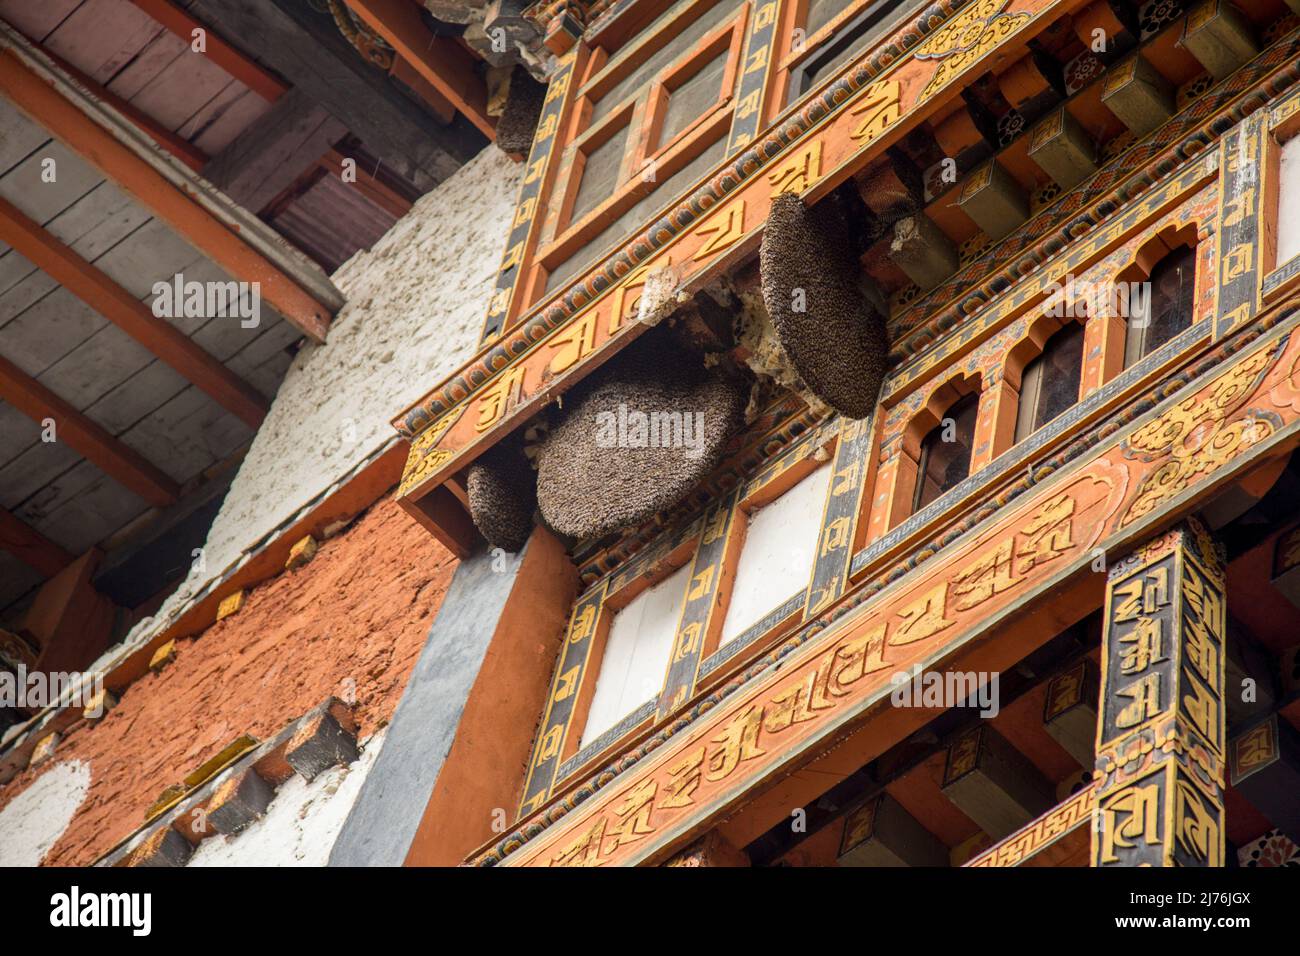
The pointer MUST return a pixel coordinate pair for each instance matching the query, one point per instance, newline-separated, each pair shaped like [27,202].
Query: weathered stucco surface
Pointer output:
[415,310]
[32,822]
[302,822]
[349,624]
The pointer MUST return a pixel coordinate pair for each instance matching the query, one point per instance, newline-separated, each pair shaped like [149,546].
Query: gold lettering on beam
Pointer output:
[878,110]
[798,172]
[578,341]
[496,401]
[724,230]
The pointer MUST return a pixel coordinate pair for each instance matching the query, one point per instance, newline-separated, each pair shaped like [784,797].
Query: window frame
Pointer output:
[1137,347]
[793,65]
[1277,278]
[972,401]
[769,481]
[1034,366]
[561,236]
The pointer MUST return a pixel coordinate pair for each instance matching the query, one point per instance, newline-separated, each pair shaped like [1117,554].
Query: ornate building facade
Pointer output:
[1006,290]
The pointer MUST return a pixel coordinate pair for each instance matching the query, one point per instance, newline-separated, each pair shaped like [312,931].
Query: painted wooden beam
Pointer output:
[128,313]
[30,546]
[372,187]
[245,69]
[119,461]
[447,65]
[271,154]
[71,622]
[69,122]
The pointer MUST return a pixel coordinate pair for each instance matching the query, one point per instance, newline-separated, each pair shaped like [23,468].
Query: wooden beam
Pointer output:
[128,313]
[447,65]
[31,547]
[439,105]
[370,186]
[245,69]
[70,620]
[66,121]
[269,156]
[306,48]
[177,145]
[119,461]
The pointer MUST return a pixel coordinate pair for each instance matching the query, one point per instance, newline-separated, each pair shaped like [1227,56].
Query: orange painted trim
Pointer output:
[119,461]
[31,547]
[995,429]
[441,106]
[128,313]
[448,66]
[247,71]
[487,760]
[63,119]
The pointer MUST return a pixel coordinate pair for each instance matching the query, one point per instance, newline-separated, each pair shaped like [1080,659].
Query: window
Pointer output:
[635,661]
[945,452]
[776,560]
[1050,383]
[821,57]
[1167,308]
[1288,207]
[651,119]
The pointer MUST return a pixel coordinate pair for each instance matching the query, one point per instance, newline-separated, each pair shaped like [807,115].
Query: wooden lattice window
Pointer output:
[649,119]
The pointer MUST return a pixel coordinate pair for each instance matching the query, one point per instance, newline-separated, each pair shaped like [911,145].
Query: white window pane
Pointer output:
[1288,213]
[777,557]
[636,654]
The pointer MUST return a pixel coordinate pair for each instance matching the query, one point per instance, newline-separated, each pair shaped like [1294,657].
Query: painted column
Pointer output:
[1160,735]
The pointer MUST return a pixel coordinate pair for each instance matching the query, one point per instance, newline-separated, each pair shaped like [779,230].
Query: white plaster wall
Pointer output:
[416,304]
[32,822]
[1288,213]
[300,825]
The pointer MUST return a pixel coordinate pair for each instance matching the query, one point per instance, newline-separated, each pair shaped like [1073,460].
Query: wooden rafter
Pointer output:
[69,123]
[447,65]
[247,71]
[272,152]
[371,186]
[307,48]
[119,461]
[31,547]
[177,145]
[128,313]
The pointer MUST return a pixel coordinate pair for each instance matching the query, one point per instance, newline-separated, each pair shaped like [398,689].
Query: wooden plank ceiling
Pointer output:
[150,411]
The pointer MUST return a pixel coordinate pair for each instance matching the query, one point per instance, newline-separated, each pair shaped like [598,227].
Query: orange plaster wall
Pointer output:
[361,610]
